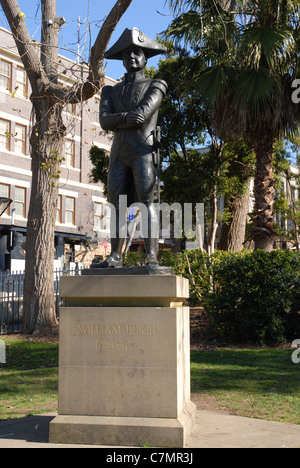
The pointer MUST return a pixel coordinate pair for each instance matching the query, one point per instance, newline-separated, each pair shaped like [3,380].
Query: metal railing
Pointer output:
[11,298]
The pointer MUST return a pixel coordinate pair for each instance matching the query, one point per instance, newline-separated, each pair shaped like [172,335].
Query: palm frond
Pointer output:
[187,28]
[213,80]
[255,90]
[268,44]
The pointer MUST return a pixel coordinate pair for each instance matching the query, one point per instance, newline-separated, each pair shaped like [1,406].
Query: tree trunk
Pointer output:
[47,147]
[46,152]
[233,233]
[264,190]
[237,229]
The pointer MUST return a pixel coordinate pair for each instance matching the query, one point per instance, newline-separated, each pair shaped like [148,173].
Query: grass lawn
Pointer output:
[262,383]
[259,383]
[29,379]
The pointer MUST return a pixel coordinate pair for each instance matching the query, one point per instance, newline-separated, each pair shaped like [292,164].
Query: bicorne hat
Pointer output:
[135,38]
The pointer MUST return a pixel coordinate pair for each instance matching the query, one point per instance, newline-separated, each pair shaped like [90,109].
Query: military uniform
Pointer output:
[131,168]
[133,145]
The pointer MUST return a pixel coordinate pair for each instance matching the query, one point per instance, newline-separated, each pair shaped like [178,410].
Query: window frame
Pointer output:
[72,165]
[70,211]
[20,202]
[25,83]
[23,140]
[100,217]
[7,212]
[9,77]
[59,210]
[97,111]
[7,134]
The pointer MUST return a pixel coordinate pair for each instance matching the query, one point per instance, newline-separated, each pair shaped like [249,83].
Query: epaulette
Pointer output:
[160,84]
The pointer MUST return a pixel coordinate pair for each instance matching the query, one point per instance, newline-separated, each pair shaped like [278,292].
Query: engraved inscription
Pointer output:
[116,336]
[100,329]
[141,329]
[112,344]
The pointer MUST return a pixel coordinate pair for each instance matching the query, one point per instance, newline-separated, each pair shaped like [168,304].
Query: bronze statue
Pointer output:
[130,110]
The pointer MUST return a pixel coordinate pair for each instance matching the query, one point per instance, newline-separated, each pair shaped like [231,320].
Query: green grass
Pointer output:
[28,379]
[261,383]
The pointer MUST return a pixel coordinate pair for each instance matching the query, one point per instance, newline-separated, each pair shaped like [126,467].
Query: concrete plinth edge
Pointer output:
[124,431]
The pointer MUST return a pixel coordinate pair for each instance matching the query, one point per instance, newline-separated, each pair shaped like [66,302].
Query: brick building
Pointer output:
[81,204]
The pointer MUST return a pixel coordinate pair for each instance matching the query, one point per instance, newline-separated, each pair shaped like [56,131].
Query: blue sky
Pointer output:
[151,16]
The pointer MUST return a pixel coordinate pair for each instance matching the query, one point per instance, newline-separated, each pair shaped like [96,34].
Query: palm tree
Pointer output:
[246,56]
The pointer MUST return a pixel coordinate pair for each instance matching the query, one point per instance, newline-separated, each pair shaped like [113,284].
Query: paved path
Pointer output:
[213,430]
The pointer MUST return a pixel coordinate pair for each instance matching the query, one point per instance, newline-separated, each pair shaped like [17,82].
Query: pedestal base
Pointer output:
[124,362]
[125,431]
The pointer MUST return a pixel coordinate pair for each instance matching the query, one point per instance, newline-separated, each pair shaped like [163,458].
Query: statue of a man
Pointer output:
[130,110]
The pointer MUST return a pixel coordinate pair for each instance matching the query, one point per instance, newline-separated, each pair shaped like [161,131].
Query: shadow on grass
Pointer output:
[28,355]
[253,371]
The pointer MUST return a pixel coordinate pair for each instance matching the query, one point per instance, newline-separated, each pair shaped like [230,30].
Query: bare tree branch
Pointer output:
[42,76]
[27,51]
[84,91]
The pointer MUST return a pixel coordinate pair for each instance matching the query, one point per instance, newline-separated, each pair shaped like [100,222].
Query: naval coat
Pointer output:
[135,93]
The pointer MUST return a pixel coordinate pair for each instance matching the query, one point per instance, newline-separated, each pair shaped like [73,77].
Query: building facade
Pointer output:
[81,204]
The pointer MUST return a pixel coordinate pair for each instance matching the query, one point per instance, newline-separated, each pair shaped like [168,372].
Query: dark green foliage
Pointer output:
[133,259]
[100,160]
[255,296]
[248,296]
[193,265]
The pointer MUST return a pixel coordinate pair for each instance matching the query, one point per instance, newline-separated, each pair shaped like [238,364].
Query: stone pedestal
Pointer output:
[124,365]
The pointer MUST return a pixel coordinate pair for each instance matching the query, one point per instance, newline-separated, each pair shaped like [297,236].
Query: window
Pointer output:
[294,194]
[20,139]
[98,215]
[58,212]
[21,83]
[20,201]
[70,108]
[5,192]
[70,153]
[4,135]
[97,111]
[70,210]
[101,216]
[5,75]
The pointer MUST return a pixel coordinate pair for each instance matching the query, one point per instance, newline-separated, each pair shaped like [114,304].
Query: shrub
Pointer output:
[193,265]
[133,259]
[253,296]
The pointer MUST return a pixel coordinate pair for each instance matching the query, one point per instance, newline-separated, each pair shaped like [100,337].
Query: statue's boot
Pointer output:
[111,262]
[151,260]
[115,258]
[151,249]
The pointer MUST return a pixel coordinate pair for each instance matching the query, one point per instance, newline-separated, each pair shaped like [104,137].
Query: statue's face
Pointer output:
[134,59]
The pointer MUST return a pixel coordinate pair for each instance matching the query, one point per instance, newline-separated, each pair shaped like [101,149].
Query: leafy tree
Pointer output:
[100,161]
[191,175]
[246,57]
